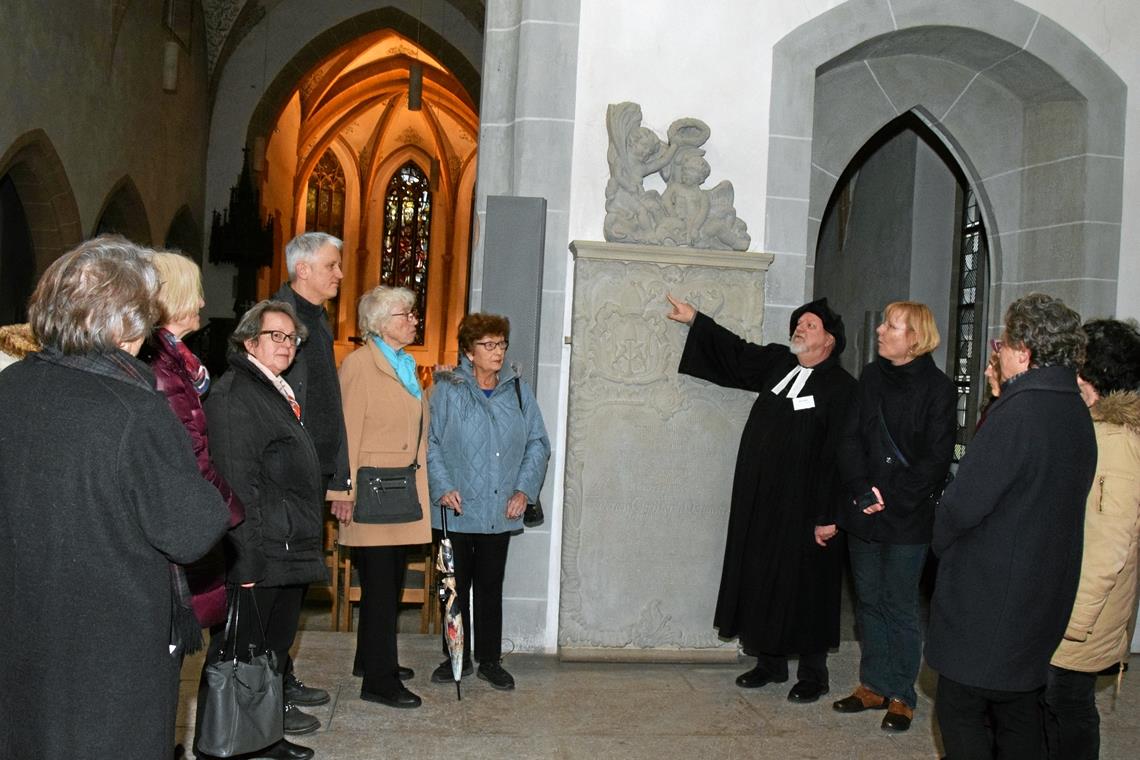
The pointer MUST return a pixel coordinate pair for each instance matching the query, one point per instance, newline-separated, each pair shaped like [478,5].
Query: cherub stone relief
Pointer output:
[685,214]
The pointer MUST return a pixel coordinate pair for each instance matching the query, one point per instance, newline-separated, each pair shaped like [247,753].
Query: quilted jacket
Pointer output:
[486,448]
[206,577]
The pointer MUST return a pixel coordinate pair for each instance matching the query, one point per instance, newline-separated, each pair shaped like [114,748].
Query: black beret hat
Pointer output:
[832,322]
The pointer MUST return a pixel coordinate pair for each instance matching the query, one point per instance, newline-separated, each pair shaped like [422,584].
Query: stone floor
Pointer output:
[596,711]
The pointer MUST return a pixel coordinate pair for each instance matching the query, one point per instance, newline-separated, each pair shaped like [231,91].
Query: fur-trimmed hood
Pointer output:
[1120,408]
[17,340]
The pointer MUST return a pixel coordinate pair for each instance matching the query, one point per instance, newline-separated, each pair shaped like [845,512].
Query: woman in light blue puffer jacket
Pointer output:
[487,455]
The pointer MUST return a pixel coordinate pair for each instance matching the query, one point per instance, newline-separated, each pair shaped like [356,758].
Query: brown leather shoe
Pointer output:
[861,699]
[898,716]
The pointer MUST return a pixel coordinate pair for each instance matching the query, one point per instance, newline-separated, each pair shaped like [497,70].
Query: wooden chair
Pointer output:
[330,552]
[421,568]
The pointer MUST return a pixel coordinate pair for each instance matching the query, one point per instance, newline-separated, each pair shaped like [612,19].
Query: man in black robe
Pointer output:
[779,589]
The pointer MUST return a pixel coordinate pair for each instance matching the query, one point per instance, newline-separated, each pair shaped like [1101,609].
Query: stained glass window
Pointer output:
[969,347]
[407,230]
[324,207]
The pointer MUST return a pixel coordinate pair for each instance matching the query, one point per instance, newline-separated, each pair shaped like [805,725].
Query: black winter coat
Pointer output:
[918,404]
[267,457]
[1009,533]
[99,493]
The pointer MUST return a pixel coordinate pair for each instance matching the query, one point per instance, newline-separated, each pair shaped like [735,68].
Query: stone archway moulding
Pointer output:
[125,198]
[45,193]
[1005,59]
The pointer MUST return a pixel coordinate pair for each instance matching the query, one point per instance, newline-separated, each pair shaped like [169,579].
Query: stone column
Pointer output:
[649,453]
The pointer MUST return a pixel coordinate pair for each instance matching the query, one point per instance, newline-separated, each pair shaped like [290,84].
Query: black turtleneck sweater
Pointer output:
[313,378]
[918,403]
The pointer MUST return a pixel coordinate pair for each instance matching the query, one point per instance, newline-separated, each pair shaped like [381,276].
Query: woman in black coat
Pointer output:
[896,451]
[267,457]
[99,494]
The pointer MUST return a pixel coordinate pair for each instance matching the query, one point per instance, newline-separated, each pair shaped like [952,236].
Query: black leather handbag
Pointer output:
[533,516]
[388,495]
[242,708]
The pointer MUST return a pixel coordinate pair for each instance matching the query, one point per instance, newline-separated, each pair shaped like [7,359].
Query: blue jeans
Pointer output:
[886,587]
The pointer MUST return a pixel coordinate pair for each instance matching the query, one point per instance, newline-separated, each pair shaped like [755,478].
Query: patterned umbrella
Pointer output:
[449,598]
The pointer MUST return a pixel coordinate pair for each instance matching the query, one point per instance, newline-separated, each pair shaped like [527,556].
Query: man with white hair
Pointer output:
[313,261]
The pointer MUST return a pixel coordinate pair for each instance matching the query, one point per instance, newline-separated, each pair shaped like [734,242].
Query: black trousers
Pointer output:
[812,667]
[480,563]
[381,570]
[1016,730]
[1072,723]
[280,612]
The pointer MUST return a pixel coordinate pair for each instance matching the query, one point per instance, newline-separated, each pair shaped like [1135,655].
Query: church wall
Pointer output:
[731,91]
[715,62]
[96,93]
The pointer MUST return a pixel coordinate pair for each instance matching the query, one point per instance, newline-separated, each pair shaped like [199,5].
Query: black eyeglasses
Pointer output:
[493,345]
[411,316]
[280,337]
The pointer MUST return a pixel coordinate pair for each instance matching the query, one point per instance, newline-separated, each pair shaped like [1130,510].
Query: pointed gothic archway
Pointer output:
[39,179]
[124,213]
[1031,115]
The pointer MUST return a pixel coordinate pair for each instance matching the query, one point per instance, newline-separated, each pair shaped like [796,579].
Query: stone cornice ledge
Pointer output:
[756,261]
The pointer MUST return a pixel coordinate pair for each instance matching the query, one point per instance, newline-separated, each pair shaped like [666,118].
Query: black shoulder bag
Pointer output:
[533,517]
[387,495]
[935,496]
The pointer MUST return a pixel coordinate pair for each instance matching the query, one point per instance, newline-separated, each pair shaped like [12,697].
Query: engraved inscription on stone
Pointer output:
[650,454]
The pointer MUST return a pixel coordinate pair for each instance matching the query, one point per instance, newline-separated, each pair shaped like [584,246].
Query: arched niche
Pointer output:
[184,234]
[124,213]
[48,203]
[1032,116]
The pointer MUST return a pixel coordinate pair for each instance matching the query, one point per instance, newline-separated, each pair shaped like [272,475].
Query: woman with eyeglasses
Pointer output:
[487,457]
[268,458]
[386,418]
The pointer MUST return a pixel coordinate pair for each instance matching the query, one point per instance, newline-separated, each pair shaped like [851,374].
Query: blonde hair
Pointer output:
[920,321]
[179,286]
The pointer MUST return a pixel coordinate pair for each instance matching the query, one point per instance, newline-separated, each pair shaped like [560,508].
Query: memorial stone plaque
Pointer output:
[650,453]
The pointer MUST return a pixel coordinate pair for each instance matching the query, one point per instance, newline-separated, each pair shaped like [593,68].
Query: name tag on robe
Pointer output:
[799,403]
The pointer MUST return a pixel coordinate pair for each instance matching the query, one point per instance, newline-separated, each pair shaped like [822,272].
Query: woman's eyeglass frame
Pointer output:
[279,336]
[493,345]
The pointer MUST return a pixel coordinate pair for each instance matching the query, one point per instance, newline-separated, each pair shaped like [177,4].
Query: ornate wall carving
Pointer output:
[685,214]
[650,453]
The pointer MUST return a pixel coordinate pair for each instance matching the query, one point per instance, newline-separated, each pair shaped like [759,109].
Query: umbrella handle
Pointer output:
[443,518]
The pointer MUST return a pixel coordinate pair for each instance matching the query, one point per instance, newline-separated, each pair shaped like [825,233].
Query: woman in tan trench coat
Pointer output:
[385,414]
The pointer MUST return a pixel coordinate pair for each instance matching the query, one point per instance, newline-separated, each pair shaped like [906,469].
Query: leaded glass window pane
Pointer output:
[407,233]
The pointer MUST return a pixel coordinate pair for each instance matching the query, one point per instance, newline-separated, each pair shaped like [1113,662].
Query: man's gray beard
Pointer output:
[797,348]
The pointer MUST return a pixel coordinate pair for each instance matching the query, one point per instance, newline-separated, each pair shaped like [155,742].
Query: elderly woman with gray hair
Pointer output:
[268,458]
[99,494]
[386,416]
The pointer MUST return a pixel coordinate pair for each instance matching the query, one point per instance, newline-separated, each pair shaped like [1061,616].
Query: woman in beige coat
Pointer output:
[1104,613]
[385,414]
